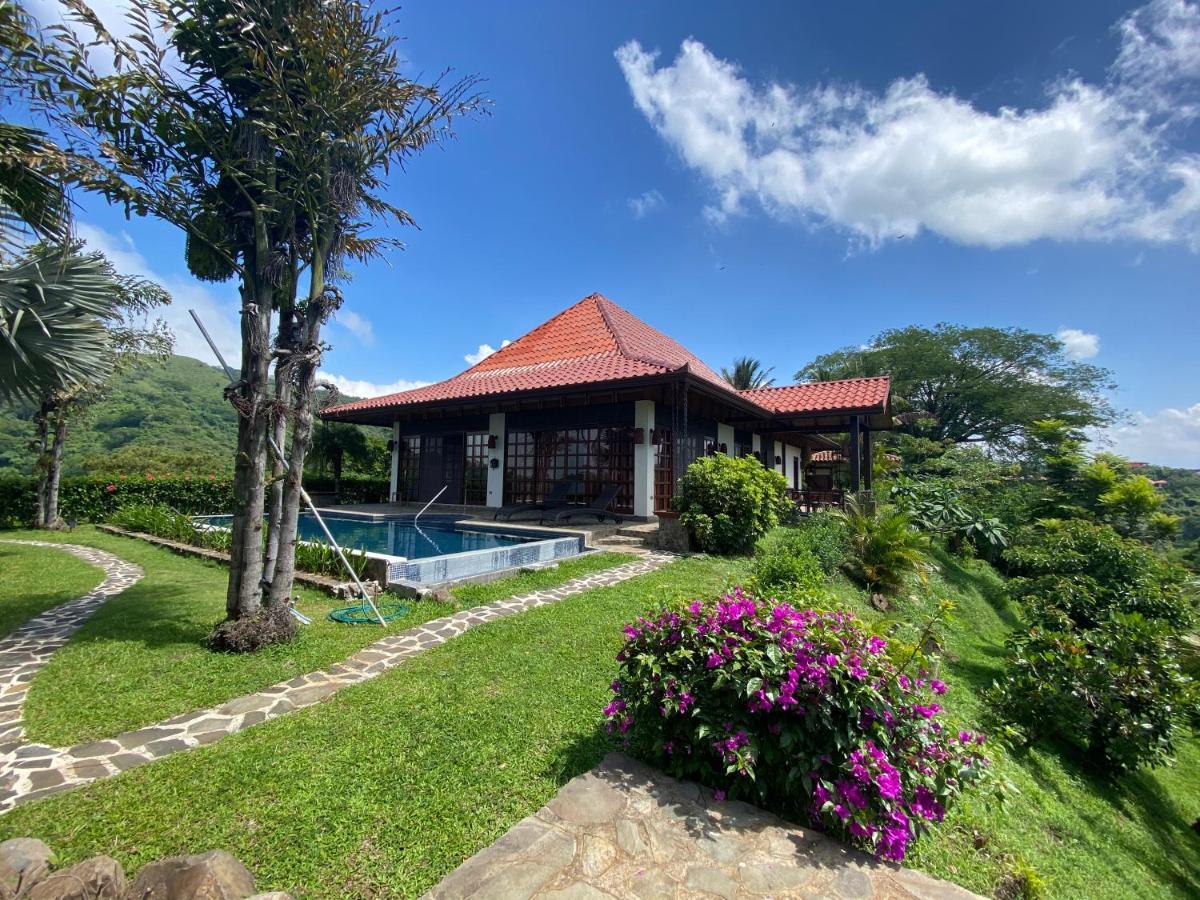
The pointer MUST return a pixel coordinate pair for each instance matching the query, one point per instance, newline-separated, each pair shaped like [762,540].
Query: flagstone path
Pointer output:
[29,770]
[627,830]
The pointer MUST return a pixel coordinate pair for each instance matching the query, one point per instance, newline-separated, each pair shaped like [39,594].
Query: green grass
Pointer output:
[143,651]
[486,592]
[35,580]
[387,787]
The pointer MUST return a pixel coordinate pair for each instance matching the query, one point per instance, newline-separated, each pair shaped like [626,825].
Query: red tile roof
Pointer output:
[596,341]
[824,396]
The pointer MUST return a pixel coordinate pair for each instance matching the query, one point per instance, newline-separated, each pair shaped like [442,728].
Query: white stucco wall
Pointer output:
[394,475]
[495,476]
[725,436]
[643,459]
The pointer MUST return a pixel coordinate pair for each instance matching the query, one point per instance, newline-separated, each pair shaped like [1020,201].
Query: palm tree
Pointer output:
[883,548]
[748,374]
[333,444]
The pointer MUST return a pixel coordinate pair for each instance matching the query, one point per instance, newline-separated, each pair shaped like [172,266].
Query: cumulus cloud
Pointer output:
[645,203]
[358,326]
[217,307]
[1092,162]
[484,351]
[1079,344]
[356,387]
[1169,437]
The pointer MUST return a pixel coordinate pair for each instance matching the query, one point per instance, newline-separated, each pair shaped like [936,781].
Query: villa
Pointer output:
[598,396]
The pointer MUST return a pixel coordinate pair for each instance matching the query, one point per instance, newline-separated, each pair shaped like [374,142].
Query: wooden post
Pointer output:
[868,458]
[855,454]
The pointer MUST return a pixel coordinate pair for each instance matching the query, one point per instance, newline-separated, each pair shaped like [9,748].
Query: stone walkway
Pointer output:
[626,830]
[29,770]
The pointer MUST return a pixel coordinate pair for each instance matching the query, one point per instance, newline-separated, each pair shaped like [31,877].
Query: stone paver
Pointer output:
[34,770]
[626,830]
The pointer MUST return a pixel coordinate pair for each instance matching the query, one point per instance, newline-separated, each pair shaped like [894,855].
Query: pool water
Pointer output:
[398,537]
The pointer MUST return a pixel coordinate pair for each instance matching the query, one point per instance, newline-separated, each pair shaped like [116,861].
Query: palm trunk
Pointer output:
[283,397]
[307,363]
[244,596]
[54,472]
[41,466]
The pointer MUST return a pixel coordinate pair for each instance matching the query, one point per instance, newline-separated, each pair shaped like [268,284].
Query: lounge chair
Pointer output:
[560,491]
[600,507]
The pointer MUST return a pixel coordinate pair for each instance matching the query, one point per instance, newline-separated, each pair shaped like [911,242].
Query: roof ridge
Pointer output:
[491,357]
[603,304]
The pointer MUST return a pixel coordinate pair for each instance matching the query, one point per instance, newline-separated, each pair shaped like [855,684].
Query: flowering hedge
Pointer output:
[797,710]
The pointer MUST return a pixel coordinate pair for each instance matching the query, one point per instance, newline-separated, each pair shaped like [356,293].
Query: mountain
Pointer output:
[169,417]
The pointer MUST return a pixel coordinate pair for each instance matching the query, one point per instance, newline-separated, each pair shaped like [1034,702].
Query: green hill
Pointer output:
[169,417]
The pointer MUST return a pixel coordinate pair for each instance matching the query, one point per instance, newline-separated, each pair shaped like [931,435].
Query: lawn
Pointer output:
[30,586]
[387,787]
[143,651]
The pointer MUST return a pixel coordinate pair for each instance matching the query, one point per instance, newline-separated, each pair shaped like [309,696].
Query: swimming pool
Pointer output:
[398,537]
[437,550]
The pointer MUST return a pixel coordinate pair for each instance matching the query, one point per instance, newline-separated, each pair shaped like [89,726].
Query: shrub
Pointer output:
[1099,661]
[89,499]
[936,506]
[798,710]
[271,625]
[785,567]
[321,559]
[824,534]
[156,519]
[882,547]
[728,503]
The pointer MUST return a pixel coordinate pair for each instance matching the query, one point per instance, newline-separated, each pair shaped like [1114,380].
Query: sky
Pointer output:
[781,180]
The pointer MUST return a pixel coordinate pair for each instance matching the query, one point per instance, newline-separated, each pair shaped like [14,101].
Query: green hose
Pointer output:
[361,613]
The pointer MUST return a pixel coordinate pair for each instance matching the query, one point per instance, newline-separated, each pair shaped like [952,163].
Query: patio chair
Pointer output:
[600,507]
[560,491]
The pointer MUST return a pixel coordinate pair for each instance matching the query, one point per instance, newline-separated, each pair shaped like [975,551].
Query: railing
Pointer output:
[811,501]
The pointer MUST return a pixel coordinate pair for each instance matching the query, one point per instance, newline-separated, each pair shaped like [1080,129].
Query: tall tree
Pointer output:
[265,130]
[747,374]
[985,385]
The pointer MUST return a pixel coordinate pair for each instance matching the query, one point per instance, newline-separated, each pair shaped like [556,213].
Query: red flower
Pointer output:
[149,477]
[212,477]
[111,488]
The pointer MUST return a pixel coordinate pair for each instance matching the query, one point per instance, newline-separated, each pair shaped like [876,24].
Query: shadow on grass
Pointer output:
[1139,798]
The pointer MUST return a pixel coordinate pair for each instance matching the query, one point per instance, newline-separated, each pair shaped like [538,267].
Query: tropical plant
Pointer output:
[882,548]
[748,374]
[265,132]
[796,710]
[936,507]
[727,503]
[824,535]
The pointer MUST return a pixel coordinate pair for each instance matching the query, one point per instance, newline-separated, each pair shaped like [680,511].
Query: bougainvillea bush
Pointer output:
[796,710]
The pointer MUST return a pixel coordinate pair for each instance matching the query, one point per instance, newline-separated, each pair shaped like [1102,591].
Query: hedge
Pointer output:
[90,499]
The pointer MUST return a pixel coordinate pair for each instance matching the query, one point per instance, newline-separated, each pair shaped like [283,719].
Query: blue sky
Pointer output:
[785,179]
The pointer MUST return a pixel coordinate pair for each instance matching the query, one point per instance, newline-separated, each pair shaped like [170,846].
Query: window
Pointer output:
[475,469]
[664,471]
[410,468]
[593,456]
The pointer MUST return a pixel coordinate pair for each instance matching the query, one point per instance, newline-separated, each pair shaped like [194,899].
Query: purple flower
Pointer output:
[888,783]
[938,687]
[718,796]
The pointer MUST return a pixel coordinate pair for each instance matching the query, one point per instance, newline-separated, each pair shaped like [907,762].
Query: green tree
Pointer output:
[265,131]
[748,374]
[335,444]
[983,385]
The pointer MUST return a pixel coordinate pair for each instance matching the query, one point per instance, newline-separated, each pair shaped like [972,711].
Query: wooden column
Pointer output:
[868,458]
[855,454]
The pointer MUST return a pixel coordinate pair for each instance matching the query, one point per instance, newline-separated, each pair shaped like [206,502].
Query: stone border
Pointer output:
[29,771]
[30,647]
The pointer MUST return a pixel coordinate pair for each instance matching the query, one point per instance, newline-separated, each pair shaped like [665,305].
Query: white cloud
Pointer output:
[358,326]
[354,387]
[484,351]
[645,203]
[217,308]
[1169,437]
[1093,162]
[1079,344]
